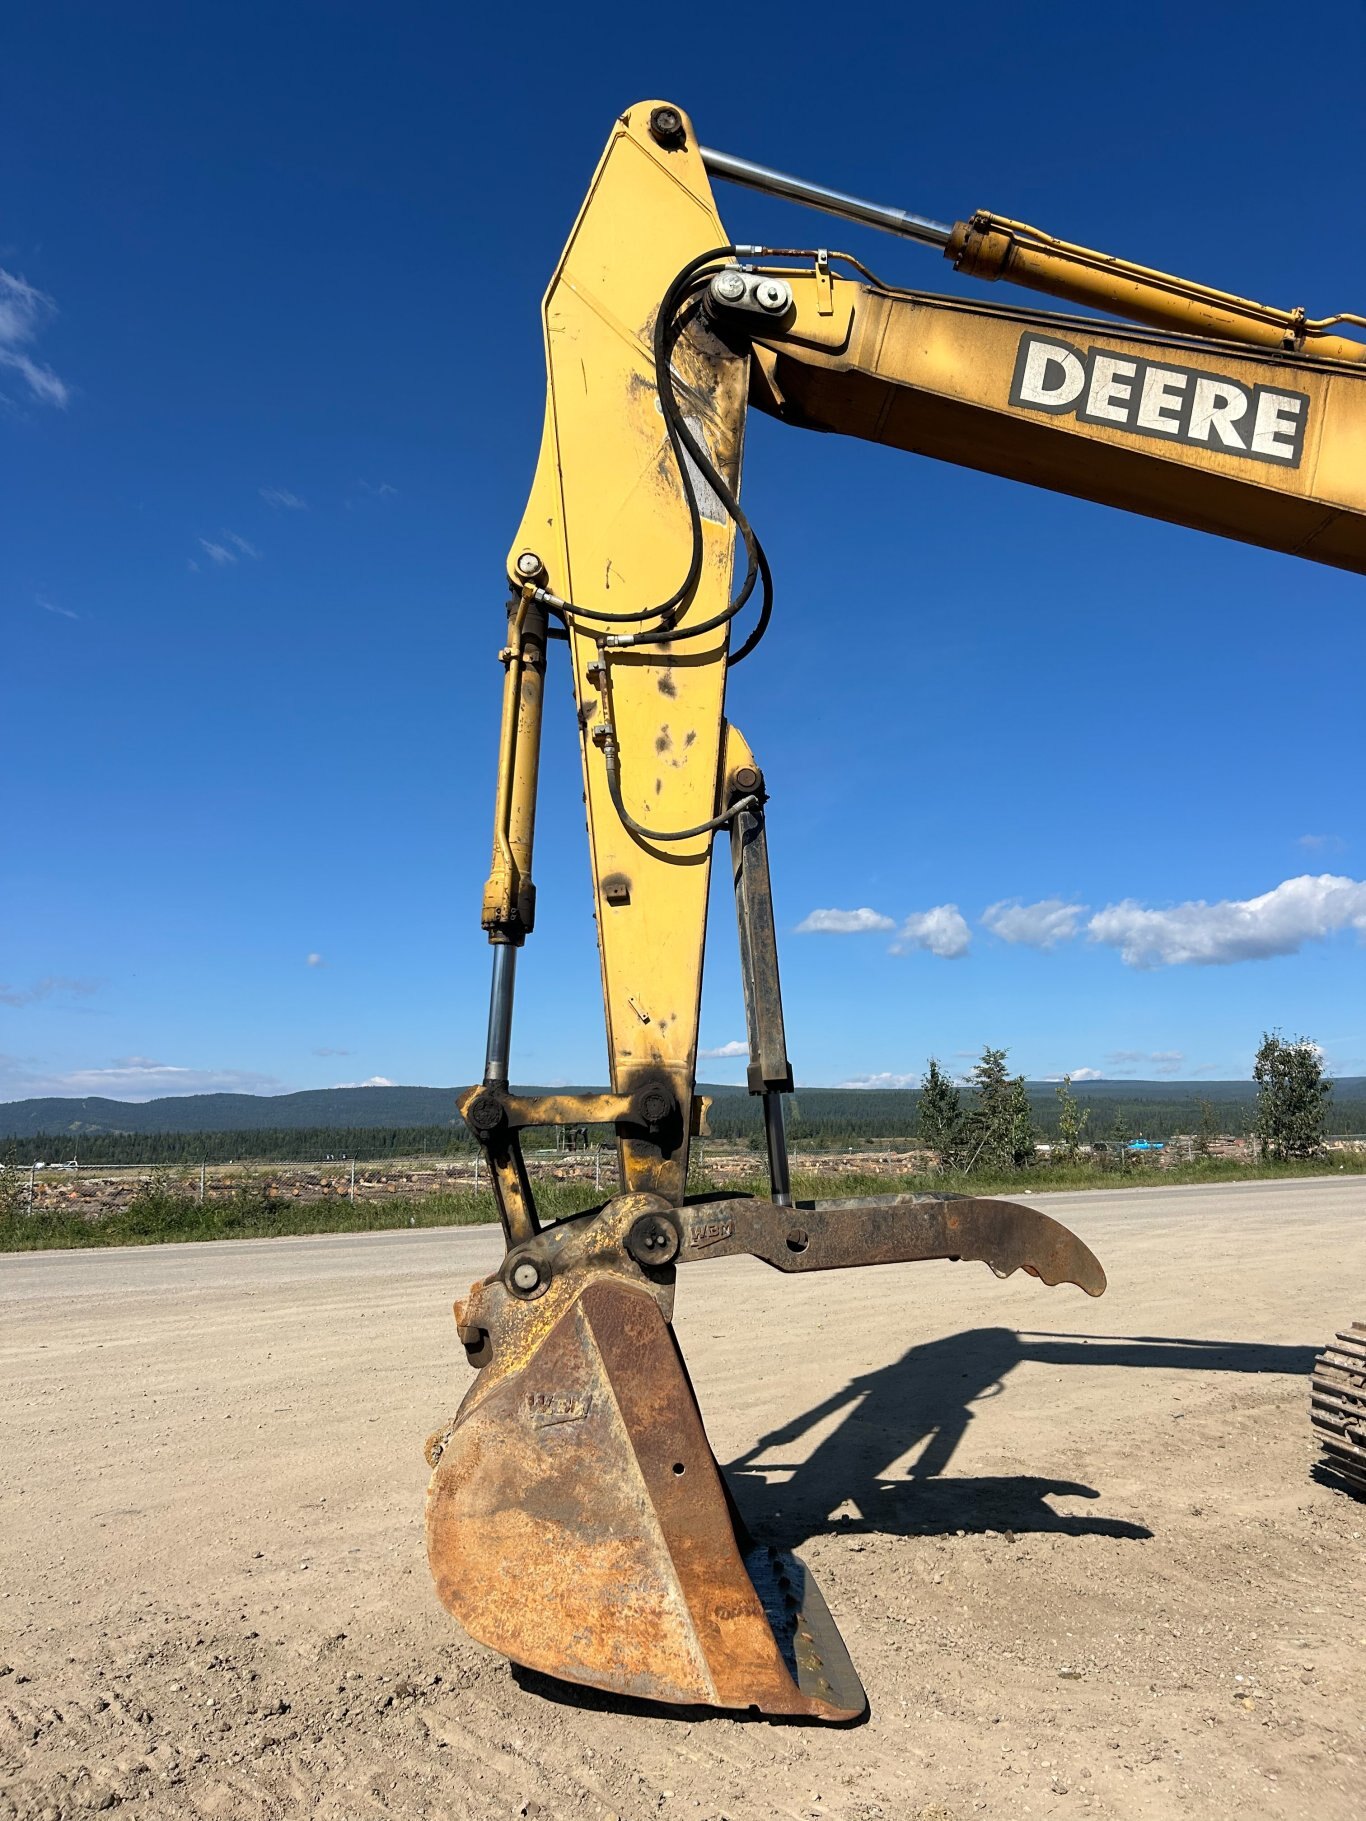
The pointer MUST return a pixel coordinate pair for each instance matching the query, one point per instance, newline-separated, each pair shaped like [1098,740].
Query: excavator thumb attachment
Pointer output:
[891,1230]
[577,1521]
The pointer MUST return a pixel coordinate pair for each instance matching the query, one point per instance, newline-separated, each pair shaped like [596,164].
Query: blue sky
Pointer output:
[272,387]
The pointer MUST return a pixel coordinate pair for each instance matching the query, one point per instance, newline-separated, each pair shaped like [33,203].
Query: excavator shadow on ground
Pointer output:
[928,1396]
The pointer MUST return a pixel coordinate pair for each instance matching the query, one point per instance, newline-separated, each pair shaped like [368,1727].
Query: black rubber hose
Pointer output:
[613,767]
[666,333]
[680,433]
[662,350]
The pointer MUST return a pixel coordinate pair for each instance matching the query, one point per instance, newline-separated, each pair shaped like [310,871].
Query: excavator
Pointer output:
[576,1519]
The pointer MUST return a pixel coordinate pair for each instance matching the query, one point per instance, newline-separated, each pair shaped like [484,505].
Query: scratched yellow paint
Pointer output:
[607,516]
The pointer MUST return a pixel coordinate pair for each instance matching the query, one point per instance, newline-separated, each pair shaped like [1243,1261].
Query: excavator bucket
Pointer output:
[577,1521]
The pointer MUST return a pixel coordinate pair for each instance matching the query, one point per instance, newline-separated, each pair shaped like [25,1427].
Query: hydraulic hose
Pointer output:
[612,763]
[667,329]
[666,332]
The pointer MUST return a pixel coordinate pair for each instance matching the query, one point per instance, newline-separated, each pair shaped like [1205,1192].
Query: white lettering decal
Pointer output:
[1038,384]
[1147,398]
[1159,405]
[1277,424]
[1111,391]
[1217,405]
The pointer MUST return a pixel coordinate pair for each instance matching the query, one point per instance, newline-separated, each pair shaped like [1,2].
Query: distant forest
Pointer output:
[818,1119]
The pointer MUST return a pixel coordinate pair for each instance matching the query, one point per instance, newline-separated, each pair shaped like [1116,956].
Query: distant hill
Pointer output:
[359,1108]
[864,1112]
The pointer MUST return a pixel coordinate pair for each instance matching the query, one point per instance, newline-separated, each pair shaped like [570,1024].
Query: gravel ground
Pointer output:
[1075,1548]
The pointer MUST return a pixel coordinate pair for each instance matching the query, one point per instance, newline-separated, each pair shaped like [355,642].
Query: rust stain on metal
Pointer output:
[576,1519]
[899,1229]
[545,1408]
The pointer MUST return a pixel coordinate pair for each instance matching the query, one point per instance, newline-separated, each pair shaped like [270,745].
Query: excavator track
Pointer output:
[1338,1407]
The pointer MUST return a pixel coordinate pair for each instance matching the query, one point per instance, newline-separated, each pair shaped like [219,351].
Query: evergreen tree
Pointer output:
[940,1116]
[1072,1120]
[1022,1145]
[991,1121]
[1292,1092]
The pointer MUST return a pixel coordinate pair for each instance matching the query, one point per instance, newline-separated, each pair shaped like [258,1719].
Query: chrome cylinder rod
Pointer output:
[775,1137]
[817,196]
[500,1015]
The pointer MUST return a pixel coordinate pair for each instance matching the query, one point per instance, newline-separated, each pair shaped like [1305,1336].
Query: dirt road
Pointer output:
[1074,1547]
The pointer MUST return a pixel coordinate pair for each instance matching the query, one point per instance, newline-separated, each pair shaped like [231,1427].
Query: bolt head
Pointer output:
[529,565]
[666,126]
[525,1276]
[652,1241]
[728,286]
[484,1114]
[772,295]
[656,1103]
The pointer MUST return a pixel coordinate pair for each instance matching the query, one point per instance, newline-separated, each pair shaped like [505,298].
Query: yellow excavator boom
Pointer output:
[576,1518]
[1264,447]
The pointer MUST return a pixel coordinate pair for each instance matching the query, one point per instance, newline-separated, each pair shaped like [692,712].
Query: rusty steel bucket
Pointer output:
[577,1521]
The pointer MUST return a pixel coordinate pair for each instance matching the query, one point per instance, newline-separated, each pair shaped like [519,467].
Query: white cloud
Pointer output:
[1161,1062]
[139,1078]
[282,497]
[733,1048]
[371,490]
[316,961]
[941,930]
[375,1081]
[52,607]
[843,922]
[44,989]
[1088,1075]
[1039,925]
[1197,934]
[884,1080]
[1332,844]
[228,552]
[23,311]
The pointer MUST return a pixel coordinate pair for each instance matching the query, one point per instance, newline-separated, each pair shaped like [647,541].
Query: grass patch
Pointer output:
[162,1215]
[167,1210]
